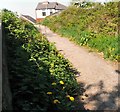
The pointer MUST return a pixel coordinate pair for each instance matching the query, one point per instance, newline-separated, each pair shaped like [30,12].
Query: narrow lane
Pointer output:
[98,77]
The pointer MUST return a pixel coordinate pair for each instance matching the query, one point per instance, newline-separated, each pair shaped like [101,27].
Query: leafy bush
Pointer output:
[93,27]
[41,79]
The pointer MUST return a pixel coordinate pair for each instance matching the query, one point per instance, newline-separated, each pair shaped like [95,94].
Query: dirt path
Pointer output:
[98,77]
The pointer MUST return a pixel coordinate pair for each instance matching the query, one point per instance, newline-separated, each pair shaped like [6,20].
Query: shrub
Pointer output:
[41,79]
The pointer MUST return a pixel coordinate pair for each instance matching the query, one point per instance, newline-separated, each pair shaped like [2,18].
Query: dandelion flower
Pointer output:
[71,98]
[56,101]
[53,84]
[61,82]
[49,93]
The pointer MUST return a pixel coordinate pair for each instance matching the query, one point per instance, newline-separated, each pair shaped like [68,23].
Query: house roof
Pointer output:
[29,18]
[50,5]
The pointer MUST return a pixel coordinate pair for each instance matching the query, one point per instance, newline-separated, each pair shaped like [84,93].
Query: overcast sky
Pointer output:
[27,7]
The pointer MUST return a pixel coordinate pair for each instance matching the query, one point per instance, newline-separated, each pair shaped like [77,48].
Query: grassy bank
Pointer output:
[96,28]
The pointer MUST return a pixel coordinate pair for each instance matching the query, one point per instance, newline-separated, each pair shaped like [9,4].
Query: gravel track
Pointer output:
[97,76]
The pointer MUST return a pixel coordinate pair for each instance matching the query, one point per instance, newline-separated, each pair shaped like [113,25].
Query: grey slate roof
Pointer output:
[29,18]
[50,5]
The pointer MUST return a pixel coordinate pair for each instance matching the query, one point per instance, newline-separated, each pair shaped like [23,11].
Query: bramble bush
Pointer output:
[96,28]
[41,79]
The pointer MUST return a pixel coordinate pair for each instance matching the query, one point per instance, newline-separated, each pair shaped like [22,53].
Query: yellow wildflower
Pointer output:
[61,82]
[71,98]
[56,101]
[53,84]
[49,93]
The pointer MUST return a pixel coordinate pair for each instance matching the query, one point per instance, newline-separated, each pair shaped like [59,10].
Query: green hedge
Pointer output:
[41,79]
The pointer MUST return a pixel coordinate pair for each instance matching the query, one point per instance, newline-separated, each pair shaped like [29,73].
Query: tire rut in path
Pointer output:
[97,76]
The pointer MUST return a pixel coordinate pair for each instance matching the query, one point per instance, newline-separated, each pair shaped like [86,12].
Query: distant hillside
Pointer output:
[95,27]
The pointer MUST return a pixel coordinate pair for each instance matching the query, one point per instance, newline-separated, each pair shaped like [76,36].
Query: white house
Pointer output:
[46,8]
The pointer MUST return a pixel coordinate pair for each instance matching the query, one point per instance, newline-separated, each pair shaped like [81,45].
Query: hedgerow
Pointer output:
[41,79]
[95,27]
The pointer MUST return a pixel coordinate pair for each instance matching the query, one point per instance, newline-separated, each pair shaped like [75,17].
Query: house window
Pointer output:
[43,13]
[51,12]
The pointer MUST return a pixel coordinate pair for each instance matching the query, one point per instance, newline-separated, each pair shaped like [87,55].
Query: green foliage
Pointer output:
[41,79]
[93,27]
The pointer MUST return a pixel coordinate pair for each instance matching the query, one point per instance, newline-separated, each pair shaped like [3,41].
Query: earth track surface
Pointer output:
[98,77]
